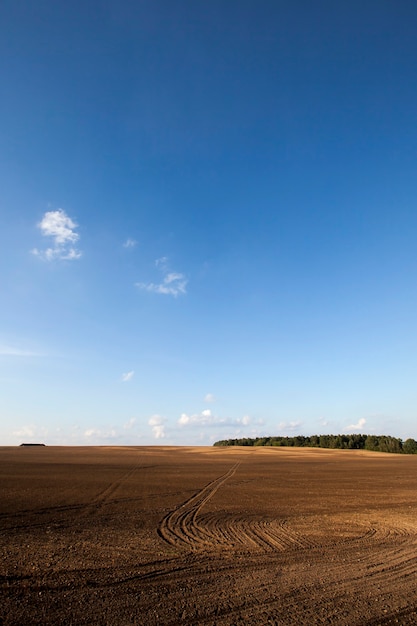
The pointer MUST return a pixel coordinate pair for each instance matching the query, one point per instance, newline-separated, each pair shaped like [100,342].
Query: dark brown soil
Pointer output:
[148,535]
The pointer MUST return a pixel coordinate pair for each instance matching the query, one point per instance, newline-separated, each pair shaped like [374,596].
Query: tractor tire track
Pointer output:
[180,527]
[187,527]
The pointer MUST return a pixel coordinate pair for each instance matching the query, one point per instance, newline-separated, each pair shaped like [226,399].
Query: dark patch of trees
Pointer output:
[378,443]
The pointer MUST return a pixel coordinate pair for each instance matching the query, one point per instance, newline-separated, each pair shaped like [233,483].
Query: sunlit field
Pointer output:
[154,535]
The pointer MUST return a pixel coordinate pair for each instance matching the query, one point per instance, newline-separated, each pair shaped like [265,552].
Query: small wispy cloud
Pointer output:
[173,283]
[156,422]
[127,376]
[357,427]
[130,243]
[24,431]
[30,432]
[13,351]
[130,423]
[209,398]
[61,230]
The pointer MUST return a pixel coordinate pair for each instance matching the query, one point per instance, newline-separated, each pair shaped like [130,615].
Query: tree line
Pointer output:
[377,443]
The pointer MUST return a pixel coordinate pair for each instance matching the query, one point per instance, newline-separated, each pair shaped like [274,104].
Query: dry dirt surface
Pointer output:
[167,536]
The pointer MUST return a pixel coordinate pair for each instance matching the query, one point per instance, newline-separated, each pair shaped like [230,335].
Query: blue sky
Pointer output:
[208,220]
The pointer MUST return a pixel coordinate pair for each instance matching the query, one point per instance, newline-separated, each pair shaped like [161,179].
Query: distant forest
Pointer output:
[380,443]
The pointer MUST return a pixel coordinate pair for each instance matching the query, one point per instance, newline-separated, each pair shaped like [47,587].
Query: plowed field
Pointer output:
[167,536]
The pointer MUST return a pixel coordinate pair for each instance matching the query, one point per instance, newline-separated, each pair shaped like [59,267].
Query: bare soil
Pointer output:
[228,536]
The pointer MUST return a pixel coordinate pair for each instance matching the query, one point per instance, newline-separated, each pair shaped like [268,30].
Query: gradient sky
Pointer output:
[208,220]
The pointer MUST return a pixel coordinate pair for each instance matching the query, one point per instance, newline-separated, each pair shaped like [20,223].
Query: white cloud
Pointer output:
[130,423]
[162,262]
[59,226]
[31,432]
[289,426]
[207,419]
[357,427]
[209,398]
[130,243]
[128,376]
[173,283]
[25,431]
[157,424]
[99,435]
[204,418]
[62,230]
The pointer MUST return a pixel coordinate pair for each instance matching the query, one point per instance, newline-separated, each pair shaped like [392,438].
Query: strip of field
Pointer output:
[207,536]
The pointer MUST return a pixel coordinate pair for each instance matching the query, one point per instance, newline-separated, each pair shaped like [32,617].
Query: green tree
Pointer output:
[410,446]
[371,443]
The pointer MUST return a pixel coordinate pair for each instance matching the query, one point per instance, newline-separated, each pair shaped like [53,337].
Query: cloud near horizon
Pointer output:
[358,427]
[289,426]
[156,422]
[173,283]
[61,229]
[130,423]
[101,435]
[206,418]
[24,431]
[31,431]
